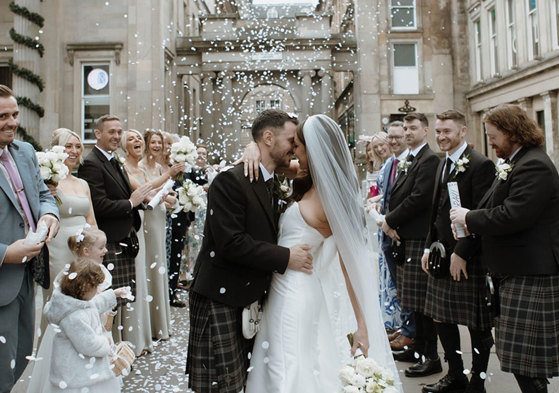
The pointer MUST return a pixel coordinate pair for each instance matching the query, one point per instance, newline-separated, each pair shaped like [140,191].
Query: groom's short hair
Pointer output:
[270,119]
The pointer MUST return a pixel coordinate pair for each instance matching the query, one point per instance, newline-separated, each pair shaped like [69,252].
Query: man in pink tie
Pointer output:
[25,201]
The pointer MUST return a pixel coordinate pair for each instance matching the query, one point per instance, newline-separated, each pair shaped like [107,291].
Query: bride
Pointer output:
[302,342]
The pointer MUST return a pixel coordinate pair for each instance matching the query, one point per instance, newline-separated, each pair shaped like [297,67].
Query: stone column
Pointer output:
[526,104]
[551,124]
[207,111]
[30,59]
[326,93]
[306,93]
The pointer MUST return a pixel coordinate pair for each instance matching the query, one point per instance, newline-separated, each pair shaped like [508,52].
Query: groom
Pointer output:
[237,259]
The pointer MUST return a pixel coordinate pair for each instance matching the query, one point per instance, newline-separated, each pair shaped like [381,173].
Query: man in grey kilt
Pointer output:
[237,259]
[407,222]
[518,221]
[456,295]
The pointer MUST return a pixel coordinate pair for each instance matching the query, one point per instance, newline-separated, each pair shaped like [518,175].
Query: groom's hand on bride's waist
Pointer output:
[300,259]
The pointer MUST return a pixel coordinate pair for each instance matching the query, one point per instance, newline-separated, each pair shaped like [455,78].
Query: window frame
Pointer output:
[413,7]
[511,36]
[493,41]
[533,30]
[416,67]
[477,49]
[83,97]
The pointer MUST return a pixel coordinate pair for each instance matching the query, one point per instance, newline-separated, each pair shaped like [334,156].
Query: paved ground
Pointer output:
[163,370]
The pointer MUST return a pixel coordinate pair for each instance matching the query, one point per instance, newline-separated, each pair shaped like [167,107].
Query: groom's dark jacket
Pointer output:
[239,251]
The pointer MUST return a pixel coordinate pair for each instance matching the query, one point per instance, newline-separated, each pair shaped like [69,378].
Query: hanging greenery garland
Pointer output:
[28,138]
[27,41]
[25,13]
[26,74]
[26,102]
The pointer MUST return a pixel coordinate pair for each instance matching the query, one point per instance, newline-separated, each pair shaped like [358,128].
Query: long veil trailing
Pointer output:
[336,181]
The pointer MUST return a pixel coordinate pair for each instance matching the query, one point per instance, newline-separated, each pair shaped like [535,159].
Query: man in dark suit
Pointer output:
[114,203]
[518,221]
[237,259]
[407,222]
[456,296]
[26,201]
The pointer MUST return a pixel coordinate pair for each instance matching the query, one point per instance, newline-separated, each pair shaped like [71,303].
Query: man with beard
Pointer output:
[236,261]
[518,221]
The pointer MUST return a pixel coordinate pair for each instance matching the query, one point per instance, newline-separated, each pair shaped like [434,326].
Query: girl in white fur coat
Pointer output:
[80,357]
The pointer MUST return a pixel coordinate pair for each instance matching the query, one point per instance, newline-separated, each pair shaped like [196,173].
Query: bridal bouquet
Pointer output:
[52,167]
[366,375]
[183,151]
[190,197]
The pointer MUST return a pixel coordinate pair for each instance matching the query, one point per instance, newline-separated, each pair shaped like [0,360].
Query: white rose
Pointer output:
[358,380]
[366,367]
[503,175]
[58,149]
[58,167]
[465,160]
[284,188]
[351,389]
[41,157]
[388,377]
[346,373]
[372,386]
[51,156]
[45,173]
[197,201]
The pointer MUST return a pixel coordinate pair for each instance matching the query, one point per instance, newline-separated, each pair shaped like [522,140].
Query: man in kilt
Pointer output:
[456,295]
[237,259]
[407,222]
[518,221]
[114,203]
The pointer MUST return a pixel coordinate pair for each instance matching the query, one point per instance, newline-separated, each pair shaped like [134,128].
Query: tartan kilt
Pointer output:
[123,269]
[527,330]
[460,302]
[411,280]
[218,354]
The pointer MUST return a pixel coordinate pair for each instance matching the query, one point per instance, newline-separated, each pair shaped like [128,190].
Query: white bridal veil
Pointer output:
[334,176]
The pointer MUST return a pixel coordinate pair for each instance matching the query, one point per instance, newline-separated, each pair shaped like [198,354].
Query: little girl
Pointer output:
[80,355]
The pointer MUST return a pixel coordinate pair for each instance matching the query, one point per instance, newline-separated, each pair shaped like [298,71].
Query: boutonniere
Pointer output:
[121,159]
[282,190]
[503,170]
[403,166]
[461,165]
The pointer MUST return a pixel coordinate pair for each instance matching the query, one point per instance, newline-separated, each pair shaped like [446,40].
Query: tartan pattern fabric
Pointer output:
[411,279]
[123,269]
[217,359]
[527,330]
[460,302]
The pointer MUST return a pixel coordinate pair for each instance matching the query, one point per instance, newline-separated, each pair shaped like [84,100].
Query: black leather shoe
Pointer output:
[407,355]
[448,384]
[177,303]
[476,385]
[423,369]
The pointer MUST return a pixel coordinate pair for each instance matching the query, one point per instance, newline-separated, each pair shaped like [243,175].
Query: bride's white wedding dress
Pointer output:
[302,342]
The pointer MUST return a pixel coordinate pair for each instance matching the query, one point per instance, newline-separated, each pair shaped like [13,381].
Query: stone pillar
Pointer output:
[207,111]
[30,59]
[306,93]
[526,104]
[326,93]
[551,124]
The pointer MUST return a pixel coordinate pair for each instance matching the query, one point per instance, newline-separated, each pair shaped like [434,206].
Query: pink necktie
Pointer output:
[394,167]
[18,188]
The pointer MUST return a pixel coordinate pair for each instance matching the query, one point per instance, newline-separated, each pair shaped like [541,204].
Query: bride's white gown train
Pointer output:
[302,343]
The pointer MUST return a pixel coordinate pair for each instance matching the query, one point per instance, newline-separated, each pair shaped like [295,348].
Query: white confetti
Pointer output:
[110,266]
[2,339]
[154,264]
[161,270]
[62,385]
[212,254]
[482,375]
[149,298]
[13,364]
[265,345]
[222,291]
[72,275]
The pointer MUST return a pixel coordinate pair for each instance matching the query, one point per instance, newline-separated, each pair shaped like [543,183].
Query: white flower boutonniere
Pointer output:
[282,191]
[403,166]
[503,171]
[461,165]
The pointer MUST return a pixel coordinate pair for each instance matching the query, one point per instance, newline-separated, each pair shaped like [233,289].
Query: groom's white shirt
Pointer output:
[267,175]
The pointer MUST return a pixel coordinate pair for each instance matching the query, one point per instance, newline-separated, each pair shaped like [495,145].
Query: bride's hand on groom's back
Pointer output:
[300,259]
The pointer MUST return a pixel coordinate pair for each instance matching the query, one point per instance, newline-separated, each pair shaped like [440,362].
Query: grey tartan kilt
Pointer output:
[123,269]
[461,302]
[527,330]
[411,280]
[217,359]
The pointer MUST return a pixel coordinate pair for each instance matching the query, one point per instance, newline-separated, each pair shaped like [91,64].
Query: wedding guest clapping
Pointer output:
[518,221]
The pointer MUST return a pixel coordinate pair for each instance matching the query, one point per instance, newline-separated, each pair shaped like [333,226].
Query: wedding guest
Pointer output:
[455,295]
[80,355]
[518,221]
[407,223]
[378,151]
[23,208]
[75,210]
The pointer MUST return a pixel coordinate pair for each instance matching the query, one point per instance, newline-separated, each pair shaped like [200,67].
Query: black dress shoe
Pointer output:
[409,355]
[448,384]
[476,384]
[177,303]
[423,369]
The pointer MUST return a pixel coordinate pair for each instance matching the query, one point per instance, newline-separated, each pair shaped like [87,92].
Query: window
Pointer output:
[406,75]
[5,76]
[402,13]
[533,37]
[477,49]
[556,23]
[260,105]
[275,104]
[494,54]
[95,96]
[511,35]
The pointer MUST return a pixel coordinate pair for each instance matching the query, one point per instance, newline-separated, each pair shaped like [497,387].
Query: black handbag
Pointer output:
[132,245]
[398,251]
[439,261]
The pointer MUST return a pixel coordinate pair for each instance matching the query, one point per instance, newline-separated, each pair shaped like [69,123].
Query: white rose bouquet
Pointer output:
[190,197]
[183,151]
[52,167]
[366,375]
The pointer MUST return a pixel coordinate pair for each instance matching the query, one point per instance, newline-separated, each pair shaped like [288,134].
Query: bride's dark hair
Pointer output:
[303,181]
